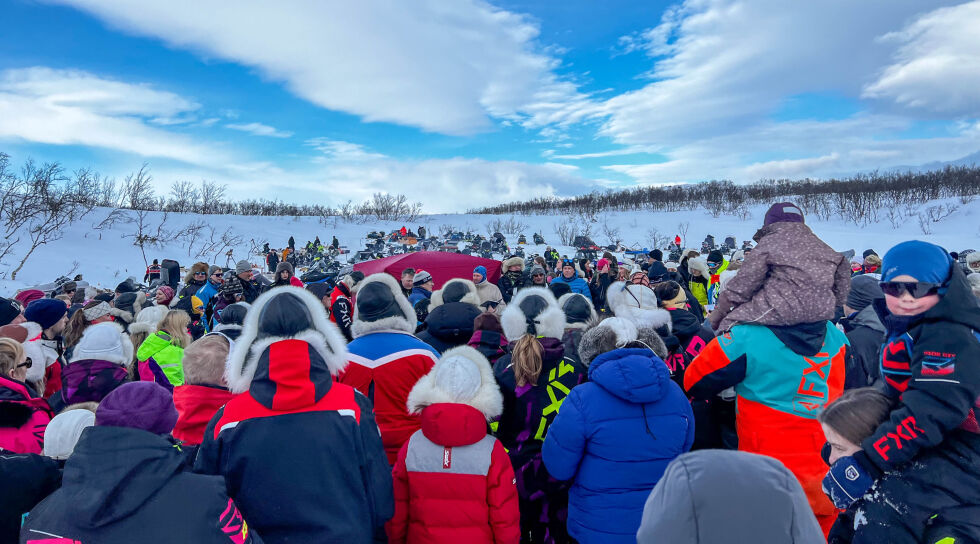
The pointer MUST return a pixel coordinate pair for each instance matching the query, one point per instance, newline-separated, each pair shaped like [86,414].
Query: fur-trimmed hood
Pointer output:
[276,316]
[105,341]
[615,333]
[455,290]
[638,303]
[461,376]
[33,348]
[537,306]
[148,319]
[513,261]
[578,310]
[405,319]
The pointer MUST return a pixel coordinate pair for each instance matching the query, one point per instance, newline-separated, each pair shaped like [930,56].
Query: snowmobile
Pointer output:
[521,240]
[538,239]
[709,243]
[729,244]
[519,252]
[584,242]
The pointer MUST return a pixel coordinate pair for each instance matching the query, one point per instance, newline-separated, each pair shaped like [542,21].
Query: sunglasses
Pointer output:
[917,289]
[28,363]
[200,273]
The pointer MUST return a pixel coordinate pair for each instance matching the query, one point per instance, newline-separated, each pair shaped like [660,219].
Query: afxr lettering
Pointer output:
[812,392]
[906,430]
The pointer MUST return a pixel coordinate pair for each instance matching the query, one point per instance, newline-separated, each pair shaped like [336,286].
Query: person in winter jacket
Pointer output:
[160,355]
[452,311]
[23,414]
[579,314]
[600,283]
[147,322]
[385,359]
[232,319]
[152,272]
[931,436]
[714,417]
[488,337]
[52,315]
[408,276]
[720,497]
[535,378]
[250,288]
[512,278]
[616,433]
[196,277]
[783,377]
[864,331]
[204,390]
[300,451]
[791,277]
[342,302]
[639,304]
[286,276]
[25,480]
[421,287]
[698,279]
[487,291]
[126,475]
[100,363]
[453,482]
[10,312]
[210,289]
[570,277]
[231,292]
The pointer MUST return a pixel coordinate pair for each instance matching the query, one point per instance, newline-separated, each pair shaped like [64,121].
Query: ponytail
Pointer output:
[77,324]
[527,360]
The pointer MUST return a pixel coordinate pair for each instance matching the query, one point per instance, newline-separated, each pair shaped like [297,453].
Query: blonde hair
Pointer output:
[175,324]
[11,355]
[137,338]
[204,360]
[526,357]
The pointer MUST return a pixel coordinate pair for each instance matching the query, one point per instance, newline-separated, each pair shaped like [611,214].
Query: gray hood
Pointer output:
[723,497]
[868,317]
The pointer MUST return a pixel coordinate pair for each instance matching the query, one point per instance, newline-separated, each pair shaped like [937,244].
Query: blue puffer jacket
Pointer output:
[577,284]
[615,436]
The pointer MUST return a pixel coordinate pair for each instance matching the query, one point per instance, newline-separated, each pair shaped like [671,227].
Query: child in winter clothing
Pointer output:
[931,435]
[616,434]
[791,277]
[453,482]
[204,390]
[160,355]
[535,378]
[100,363]
[488,337]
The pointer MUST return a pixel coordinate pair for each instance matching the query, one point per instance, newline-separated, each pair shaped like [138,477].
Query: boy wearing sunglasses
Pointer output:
[920,465]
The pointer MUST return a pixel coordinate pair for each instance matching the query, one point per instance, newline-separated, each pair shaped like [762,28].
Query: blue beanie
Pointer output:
[921,260]
[45,311]
[481,270]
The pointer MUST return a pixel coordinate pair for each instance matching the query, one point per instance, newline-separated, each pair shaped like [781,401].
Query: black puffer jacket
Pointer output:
[122,482]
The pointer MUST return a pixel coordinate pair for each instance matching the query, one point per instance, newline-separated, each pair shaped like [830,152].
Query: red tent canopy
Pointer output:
[442,265]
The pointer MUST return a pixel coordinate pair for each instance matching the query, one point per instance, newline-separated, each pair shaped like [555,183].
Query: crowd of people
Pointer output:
[783,393]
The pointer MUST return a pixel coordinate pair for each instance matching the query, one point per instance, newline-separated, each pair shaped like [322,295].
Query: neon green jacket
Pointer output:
[166,355]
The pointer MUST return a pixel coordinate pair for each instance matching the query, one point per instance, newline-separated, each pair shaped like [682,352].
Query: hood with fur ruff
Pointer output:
[405,322]
[701,265]
[106,341]
[537,306]
[638,303]
[322,336]
[614,333]
[461,376]
[579,302]
[148,319]
[455,290]
[513,261]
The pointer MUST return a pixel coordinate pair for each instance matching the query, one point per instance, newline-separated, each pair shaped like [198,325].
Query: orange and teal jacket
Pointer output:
[783,377]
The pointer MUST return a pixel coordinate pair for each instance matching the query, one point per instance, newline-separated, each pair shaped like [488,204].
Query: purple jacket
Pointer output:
[90,380]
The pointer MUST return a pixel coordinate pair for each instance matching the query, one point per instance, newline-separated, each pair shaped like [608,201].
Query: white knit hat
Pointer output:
[104,342]
[62,432]
[461,376]
[148,319]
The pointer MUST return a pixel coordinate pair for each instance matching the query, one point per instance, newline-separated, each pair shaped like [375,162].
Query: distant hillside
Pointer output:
[854,198]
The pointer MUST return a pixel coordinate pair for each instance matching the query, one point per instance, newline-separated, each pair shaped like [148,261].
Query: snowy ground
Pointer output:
[107,257]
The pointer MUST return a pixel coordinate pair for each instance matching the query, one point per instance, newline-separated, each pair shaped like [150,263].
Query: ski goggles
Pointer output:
[568,262]
[917,289]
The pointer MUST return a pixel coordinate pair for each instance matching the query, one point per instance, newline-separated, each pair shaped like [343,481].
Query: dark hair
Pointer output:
[77,324]
[857,413]
[667,290]
[408,271]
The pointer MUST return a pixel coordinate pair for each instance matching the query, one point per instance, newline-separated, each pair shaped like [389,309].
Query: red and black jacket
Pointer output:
[301,453]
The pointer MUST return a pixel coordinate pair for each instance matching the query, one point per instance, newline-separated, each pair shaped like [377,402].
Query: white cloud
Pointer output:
[443,66]
[259,129]
[791,168]
[69,107]
[937,67]
[341,151]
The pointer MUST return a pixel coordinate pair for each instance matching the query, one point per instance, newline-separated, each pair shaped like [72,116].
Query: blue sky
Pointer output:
[466,103]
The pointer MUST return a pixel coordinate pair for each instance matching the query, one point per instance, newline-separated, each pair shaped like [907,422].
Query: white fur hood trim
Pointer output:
[405,322]
[471,297]
[487,400]
[324,337]
[549,324]
[624,305]
[700,264]
[148,319]
[124,358]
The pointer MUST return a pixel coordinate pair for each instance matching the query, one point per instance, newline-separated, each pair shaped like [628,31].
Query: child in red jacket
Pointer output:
[453,482]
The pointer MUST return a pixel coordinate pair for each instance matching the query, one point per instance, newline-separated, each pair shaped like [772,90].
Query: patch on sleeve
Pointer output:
[938,365]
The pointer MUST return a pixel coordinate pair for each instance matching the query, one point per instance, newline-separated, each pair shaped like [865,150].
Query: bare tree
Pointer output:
[150,232]
[137,192]
[682,229]
[212,195]
[183,197]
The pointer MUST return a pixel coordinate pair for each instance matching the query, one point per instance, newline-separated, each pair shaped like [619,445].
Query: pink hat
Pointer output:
[28,296]
[602,263]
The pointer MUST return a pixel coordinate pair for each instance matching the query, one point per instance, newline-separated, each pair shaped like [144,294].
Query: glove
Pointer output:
[848,480]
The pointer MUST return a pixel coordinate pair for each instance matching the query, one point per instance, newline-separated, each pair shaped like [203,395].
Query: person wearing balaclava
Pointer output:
[864,331]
